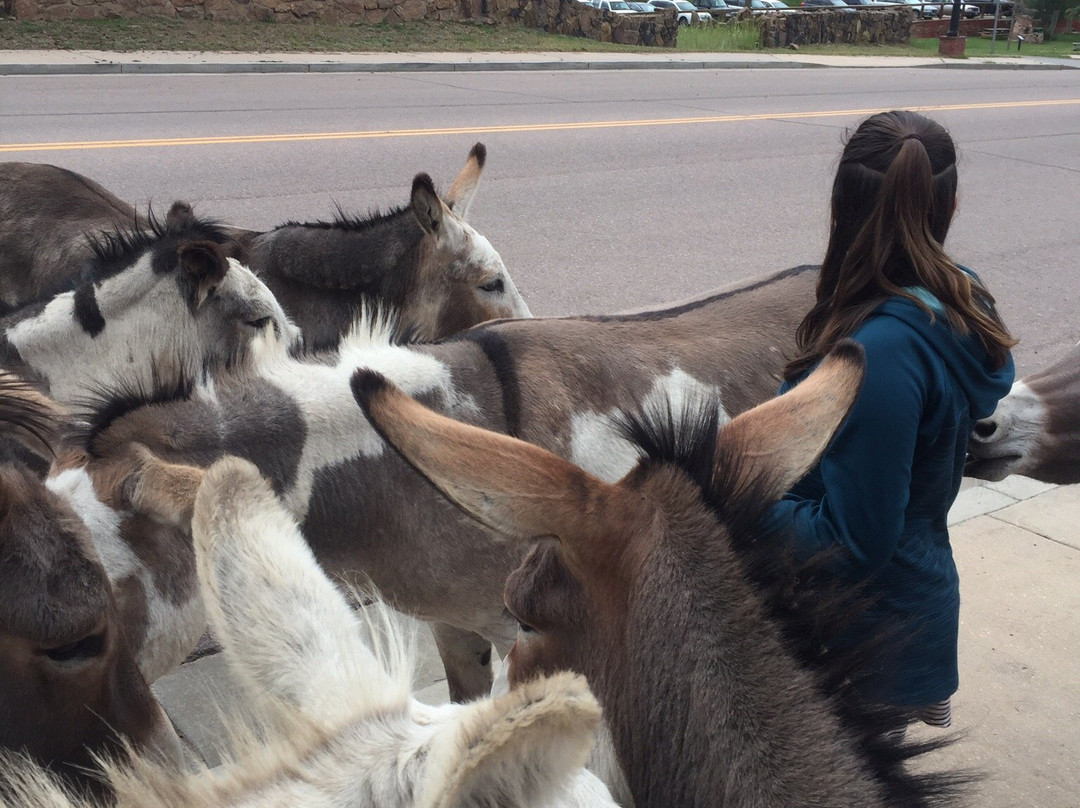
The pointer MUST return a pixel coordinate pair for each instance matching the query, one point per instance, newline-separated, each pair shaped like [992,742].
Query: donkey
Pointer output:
[45,212]
[69,679]
[343,727]
[663,591]
[422,260]
[1035,430]
[157,301]
[557,382]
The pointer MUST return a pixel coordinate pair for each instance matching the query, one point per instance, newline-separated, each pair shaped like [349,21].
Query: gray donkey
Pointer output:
[555,382]
[422,259]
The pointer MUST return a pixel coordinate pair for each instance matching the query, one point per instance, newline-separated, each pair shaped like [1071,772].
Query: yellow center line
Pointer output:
[483,130]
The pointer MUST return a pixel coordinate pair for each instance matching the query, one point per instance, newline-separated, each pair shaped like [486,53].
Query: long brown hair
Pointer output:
[892,204]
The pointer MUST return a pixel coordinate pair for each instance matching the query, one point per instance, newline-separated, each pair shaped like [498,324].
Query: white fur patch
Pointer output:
[485,255]
[597,447]
[337,430]
[1018,422]
[171,631]
[75,487]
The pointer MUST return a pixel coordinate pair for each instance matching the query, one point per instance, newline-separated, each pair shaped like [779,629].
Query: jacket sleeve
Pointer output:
[865,474]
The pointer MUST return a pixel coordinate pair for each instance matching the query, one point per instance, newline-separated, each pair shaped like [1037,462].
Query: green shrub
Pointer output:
[726,37]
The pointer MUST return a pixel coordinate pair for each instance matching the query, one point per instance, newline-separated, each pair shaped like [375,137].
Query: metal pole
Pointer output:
[997,16]
[954,20]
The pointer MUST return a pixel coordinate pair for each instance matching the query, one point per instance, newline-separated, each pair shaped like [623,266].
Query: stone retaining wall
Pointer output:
[572,18]
[880,27]
[328,11]
[555,16]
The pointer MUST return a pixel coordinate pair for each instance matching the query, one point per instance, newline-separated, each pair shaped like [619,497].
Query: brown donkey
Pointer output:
[69,684]
[654,588]
[45,213]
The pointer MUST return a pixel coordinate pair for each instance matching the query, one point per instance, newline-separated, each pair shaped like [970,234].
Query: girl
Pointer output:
[937,359]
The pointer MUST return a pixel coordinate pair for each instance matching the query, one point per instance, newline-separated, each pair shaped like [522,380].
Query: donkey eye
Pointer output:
[525,628]
[82,650]
[260,323]
[494,286]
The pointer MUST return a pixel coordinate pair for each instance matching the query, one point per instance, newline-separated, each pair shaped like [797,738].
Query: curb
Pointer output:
[157,68]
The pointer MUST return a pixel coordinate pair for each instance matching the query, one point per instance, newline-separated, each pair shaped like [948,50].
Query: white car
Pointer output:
[758,7]
[687,12]
[614,6]
[965,10]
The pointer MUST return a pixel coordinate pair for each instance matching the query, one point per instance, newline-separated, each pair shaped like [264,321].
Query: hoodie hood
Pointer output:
[964,355]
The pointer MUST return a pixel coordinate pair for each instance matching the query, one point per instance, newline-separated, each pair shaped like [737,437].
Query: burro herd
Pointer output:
[204,427]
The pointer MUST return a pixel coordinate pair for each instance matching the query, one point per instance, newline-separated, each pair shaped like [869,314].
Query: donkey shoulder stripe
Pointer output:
[502,361]
[86,311]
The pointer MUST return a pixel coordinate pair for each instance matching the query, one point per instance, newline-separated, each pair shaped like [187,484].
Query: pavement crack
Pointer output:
[1025,528]
[1021,160]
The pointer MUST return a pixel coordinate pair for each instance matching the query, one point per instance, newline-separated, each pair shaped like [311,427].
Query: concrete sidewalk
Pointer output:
[1017,544]
[56,62]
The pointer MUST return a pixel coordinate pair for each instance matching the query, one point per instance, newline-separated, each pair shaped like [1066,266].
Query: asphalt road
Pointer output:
[604,190]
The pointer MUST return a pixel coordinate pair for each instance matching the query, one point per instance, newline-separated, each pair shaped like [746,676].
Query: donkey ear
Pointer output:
[779,441]
[131,477]
[522,748]
[426,205]
[288,633]
[180,217]
[462,192]
[514,487]
[202,267]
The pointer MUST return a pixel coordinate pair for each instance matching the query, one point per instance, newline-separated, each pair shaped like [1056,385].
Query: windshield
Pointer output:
[619,5]
[682,5]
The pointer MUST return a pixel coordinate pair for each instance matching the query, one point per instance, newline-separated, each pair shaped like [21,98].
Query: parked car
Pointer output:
[614,6]
[832,5]
[642,8]
[761,6]
[945,10]
[867,3]
[686,11]
[780,6]
[987,7]
[719,9]
[927,11]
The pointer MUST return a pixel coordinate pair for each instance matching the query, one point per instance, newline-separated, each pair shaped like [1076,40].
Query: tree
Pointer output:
[1050,11]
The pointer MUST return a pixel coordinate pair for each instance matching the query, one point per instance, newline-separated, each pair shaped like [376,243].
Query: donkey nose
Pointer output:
[985,428]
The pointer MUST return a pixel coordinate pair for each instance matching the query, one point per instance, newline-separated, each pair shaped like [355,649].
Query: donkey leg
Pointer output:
[466,656]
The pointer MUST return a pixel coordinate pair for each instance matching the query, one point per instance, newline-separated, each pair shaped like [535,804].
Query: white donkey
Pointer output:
[334,688]
[154,305]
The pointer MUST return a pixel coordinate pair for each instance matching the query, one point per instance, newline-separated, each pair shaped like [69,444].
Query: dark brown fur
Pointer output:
[45,214]
[665,592]
[69,680]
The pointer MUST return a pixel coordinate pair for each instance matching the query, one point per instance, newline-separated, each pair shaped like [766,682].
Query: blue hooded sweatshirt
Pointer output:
[881,492]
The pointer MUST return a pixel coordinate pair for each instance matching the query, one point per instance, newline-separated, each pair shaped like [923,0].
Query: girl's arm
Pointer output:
[866,472]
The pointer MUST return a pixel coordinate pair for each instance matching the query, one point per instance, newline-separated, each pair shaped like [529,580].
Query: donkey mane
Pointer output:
[108,404]
[116,250]
[668,312]
[374,327]
[26,413]
[351,222]
[808,611]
